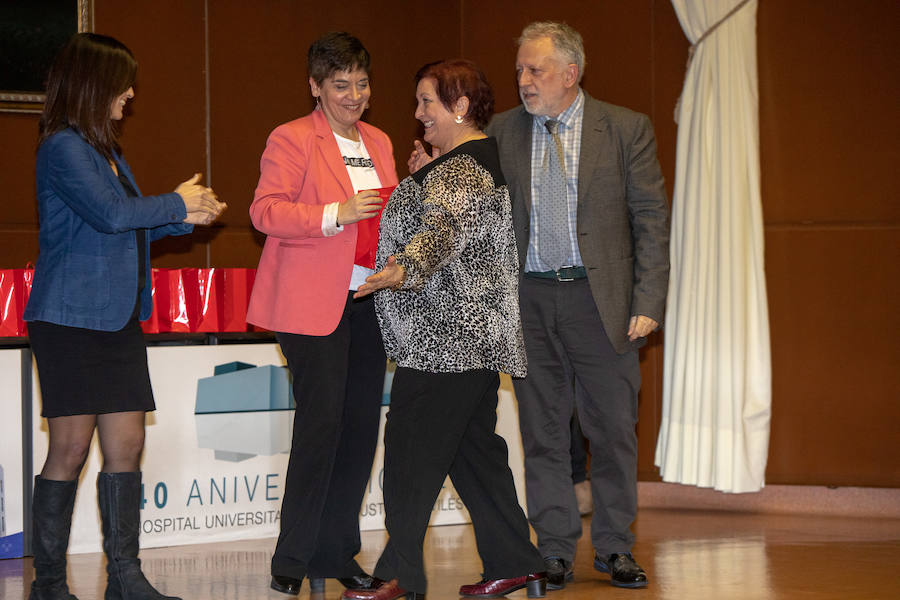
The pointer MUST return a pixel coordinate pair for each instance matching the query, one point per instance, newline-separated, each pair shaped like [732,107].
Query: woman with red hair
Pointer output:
[449,314]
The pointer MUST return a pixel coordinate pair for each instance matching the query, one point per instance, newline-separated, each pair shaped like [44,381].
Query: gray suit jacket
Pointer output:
[623,218]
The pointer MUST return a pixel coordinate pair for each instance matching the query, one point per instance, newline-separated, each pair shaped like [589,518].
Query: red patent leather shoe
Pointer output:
[388,590]
[536,584]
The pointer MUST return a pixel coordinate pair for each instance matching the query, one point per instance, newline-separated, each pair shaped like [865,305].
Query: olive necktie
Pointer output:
[553,209]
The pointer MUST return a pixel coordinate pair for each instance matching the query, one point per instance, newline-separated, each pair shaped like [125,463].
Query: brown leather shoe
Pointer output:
[388,590]
[536,584]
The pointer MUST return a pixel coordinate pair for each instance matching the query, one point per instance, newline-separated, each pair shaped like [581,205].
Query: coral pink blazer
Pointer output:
[303,277]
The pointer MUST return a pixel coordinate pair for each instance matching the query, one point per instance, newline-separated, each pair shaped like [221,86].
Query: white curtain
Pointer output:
[717,372]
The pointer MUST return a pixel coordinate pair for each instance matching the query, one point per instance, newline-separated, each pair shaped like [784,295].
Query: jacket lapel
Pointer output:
[521,144]
[331,154]
[377,155]
[593,128]
[126,170]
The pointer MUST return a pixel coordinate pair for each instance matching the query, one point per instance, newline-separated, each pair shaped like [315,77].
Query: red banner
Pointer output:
[15,286]
[234,287]
[184,300]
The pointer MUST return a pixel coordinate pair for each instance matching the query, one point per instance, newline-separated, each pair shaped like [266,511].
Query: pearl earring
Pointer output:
[458,119]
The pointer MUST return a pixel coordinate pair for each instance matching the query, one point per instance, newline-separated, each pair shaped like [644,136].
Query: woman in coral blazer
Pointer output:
[317,177]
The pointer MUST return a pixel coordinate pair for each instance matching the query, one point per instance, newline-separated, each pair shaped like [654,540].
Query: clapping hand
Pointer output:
[200,203]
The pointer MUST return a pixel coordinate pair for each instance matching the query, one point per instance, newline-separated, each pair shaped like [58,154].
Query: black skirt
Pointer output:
[90,372]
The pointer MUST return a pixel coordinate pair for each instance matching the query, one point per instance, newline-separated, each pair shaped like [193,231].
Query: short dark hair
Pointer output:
[86,76]
[459,77]
[333,52]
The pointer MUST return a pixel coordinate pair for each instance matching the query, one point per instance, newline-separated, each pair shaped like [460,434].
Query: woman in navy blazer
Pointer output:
[91,288]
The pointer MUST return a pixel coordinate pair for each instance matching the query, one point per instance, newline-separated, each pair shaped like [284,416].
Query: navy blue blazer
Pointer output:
[86,273]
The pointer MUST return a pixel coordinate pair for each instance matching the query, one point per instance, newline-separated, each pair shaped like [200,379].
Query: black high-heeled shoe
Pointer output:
[286,585]
[360,581]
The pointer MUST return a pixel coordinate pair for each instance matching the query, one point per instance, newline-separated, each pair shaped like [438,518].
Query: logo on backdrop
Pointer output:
[244,411]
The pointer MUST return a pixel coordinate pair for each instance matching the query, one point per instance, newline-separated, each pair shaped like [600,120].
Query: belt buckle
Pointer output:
[559,276]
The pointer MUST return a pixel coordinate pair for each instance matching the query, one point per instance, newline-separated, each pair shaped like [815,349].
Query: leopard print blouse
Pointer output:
[450,226]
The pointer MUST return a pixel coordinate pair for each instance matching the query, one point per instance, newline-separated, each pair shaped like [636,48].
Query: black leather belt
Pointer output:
[563,274]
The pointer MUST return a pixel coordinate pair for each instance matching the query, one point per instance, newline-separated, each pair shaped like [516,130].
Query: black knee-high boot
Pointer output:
[119,496]
[52,506]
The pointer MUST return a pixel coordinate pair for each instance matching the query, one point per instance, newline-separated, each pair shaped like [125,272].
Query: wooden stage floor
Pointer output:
[692,555]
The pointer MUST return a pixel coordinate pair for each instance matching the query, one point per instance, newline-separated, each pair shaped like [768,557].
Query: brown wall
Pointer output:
[828,74]
[829,82]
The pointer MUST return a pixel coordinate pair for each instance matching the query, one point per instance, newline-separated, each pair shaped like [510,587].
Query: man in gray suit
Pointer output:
[591,222]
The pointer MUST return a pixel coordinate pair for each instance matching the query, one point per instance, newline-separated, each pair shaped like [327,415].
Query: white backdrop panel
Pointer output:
[190,496]
[11,493]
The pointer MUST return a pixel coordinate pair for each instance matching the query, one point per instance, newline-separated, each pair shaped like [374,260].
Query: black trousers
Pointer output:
[566,342]
[338,383]
[440,424]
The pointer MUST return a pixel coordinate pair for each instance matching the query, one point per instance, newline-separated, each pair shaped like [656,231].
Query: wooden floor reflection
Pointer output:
[687,554]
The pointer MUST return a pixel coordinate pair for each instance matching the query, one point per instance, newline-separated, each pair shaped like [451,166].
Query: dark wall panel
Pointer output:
[617,37]
[835,383]
[829,77]
[259,80]
[18,211]
[19,134]
[163,134]
[649,405]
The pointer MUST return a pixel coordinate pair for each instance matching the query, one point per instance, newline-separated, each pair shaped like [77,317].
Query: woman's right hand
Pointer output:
[391,276]
[200,202]
[360,207]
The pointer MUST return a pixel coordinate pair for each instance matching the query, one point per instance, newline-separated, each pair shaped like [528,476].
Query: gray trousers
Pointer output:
[568,350]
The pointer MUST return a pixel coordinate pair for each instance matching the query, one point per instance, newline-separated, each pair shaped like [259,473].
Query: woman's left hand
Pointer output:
[391,276]
[419,158]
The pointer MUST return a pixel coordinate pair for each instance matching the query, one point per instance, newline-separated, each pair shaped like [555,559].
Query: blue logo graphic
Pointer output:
[243,411]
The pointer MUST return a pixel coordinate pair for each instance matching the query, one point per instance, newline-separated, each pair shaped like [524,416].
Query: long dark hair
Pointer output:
[89,73]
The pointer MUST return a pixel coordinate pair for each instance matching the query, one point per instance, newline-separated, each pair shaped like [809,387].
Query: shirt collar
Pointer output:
[566,117]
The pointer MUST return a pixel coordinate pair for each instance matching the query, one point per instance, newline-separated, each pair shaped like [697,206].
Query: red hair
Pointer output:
[459,77]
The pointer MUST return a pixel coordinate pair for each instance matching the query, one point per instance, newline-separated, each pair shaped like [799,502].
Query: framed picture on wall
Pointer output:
[31,33]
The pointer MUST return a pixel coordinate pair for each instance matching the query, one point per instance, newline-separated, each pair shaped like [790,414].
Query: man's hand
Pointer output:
[640,326]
